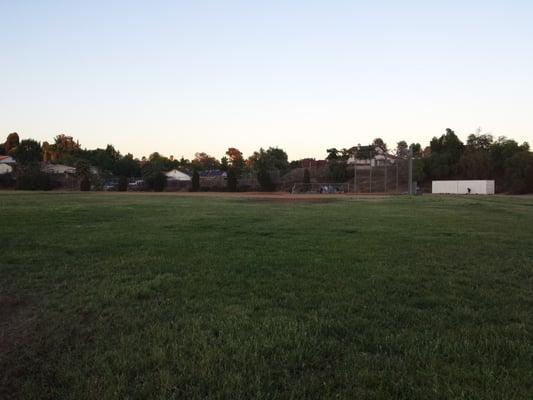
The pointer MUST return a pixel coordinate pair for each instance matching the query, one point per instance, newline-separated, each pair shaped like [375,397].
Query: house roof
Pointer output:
[177,175]
[58,169]
[212,173]
[5,169]
[7,160]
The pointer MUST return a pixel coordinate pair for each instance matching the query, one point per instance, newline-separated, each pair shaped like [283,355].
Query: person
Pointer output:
[469,190]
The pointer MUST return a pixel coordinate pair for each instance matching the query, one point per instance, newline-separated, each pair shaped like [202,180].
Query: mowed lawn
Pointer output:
[139,296]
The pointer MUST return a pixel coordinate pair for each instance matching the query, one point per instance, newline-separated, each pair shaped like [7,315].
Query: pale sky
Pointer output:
[185,76]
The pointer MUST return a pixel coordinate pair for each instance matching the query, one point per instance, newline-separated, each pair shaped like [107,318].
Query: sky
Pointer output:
[180,77]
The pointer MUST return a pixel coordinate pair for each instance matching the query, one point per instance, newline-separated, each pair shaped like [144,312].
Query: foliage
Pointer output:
[11,143]
[337,171]
[271,159]
[232,180]
[85,184]
[265,180]
[195,181]
[518,172]
[28,152]
[83,169]
[153,177]
[204,161]
[30,177]
[122,183]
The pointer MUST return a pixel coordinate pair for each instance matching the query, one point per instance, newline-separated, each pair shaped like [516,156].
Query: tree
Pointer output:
[402,149]
[232,180]
[474,163]
[195,181]
[518,172]
[265,180]
[499,152]
[307,180]
[379,143]
[65,144]
[333,154]
[268,163]
[29,175]
[417,149]
[122,183]
[153,176]
[11,143]
[83,171]
[234,164]
[127,166]
[446,153]
[235,158]
[204,161]
[27,152]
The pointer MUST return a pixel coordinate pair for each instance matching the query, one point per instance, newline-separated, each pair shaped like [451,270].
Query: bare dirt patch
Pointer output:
[272,196]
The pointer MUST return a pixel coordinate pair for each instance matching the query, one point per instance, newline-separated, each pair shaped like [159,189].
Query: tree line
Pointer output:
[482,156]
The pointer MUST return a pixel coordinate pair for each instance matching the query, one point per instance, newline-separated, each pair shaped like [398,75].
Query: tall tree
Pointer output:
[28,151]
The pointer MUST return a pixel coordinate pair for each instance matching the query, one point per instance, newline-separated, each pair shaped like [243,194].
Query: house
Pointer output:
[5,169]
[213,178]
[6,164]
[178,181]
[7,160]
[58,169]
[62,176]
[177,175]
[312,163]
[379,158]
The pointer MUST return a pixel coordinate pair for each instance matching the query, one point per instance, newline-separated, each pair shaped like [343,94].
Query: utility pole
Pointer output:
[410,170]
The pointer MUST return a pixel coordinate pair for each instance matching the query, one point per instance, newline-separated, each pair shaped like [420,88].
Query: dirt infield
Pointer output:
[272,196]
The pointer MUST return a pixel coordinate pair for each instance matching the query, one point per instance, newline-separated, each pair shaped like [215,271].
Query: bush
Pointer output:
[6,181]
[30,177]
[195,181]
[158,182]
[232,180]
[264,179]
[122,184]
[85,184]
[307,180]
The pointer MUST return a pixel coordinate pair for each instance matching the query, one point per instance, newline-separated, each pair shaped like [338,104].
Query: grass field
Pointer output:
[142,296]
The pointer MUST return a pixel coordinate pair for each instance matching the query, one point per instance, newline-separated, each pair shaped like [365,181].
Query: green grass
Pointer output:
[160,297]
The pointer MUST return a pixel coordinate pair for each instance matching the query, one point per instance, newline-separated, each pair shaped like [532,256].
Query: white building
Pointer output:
[177,175]
[462,187]
[5,169]
[58,169]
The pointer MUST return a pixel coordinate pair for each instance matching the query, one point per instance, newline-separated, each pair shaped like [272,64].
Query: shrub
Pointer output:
[265,180]
[158,182]
[85,184]
[30,177]
[307,180]
[232,180]
[122,184]
[195,181]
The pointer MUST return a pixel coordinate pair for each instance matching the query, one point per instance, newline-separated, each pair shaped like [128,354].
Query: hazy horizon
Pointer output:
[180,78]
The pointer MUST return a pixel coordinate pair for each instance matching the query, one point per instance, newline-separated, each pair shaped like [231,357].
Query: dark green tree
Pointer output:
[28,151]
[195,181]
